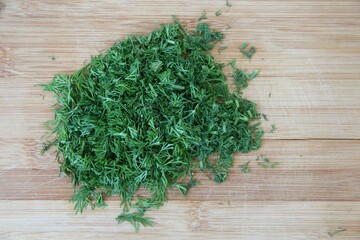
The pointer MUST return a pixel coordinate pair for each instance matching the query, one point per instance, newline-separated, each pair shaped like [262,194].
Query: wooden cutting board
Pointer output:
[308,53]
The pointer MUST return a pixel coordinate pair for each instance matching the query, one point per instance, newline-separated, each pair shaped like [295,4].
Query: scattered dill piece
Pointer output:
[221,48]
[339,230]
[228,4]
[228,27]
[252,50]
[53,58]
[262,165]
[273,128]
[247,53]
[269,94]
[218,13]
[203,16]
[232,63]
[273,165]
[244,45]
[136,219]
[240,78]
[264,117]
[264,162]
[253,74]
[245,167]
[146,113]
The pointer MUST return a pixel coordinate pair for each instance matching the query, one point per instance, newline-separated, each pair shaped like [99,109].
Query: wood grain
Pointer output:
[308,53]
[309,170]
[185,220]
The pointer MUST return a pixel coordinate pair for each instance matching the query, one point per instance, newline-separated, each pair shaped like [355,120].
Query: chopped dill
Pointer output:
[273,128]
[136,219]
[244,45]
[203,16]
[253,74]
[264,162]
[221,48]
[232,63]
[147,113]
[338,230]
[228,4]
[218,13]
[245,167]
[247,53]
[252,50]
[241,77]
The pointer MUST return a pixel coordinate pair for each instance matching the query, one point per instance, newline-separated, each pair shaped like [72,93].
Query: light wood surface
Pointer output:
[309,58]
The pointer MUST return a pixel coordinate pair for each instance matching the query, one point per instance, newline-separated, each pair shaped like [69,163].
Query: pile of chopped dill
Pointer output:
[146,114]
